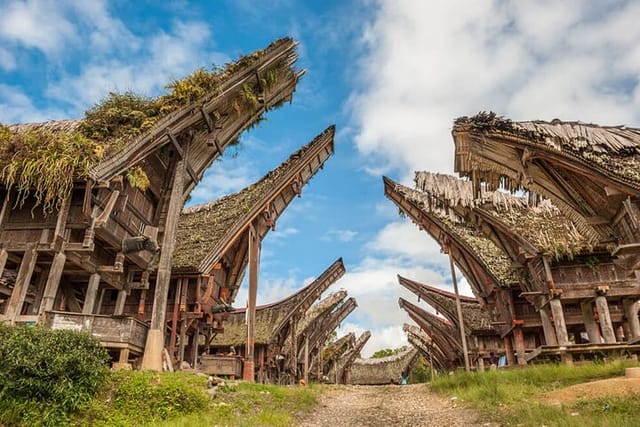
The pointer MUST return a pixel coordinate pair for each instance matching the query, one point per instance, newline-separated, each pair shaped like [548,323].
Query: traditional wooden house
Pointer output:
[427,348]
[482,337]
[442,333]
[212,248]
[90,207]
[384,370]
[341,373]
[334,352]
[486,267]
[276,325]
[589,172]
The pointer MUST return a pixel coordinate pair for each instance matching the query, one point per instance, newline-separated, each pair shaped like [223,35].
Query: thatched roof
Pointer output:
[542,224]
[488,256]
[270,317]
[336,349]
[205,231]
[383,370]
[441,331]
[476,318]
[614,149]
[425,345]
[122,131]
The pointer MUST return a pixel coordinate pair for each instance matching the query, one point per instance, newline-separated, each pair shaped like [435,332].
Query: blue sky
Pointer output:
[392,75]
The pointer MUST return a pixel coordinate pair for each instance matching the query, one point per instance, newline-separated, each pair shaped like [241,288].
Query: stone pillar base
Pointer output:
[152,358]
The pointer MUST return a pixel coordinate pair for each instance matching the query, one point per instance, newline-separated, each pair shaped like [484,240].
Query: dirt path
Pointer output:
[412,405]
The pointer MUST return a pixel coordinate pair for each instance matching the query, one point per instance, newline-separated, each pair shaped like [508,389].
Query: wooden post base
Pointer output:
[248,369]
[152,358]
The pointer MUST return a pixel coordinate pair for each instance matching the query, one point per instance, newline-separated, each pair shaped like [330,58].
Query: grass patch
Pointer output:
[512,397]
[253,405]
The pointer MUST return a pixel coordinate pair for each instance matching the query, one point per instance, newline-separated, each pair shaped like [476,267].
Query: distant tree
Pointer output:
[420,373]
[388,352]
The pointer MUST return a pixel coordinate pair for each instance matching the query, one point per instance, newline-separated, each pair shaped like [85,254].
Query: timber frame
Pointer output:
[110,239]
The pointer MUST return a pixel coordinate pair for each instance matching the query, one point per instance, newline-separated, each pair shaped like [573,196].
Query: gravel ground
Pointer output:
[392,405]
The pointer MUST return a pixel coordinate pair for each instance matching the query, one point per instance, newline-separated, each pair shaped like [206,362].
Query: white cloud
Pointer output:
[427,63]
[39,24]
[16,107]
[387,337]
[219,181]
[340,235]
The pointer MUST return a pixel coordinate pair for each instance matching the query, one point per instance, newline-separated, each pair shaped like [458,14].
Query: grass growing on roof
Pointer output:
[47,163]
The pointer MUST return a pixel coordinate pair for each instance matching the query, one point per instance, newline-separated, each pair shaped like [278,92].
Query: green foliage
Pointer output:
[511,396]
[46,374]
[387,352]
[138,178]
[254,404]
[420,373]
[144,398]
[43,164]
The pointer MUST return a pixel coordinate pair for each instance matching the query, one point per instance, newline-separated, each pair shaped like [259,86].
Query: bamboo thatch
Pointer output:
[492,258]
[542,223]
[383,370]
[268,318]
[204,230]
[613,152]
[476,318]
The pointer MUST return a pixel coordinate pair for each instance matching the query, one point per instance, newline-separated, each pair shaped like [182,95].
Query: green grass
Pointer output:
[511,397]
[253,405]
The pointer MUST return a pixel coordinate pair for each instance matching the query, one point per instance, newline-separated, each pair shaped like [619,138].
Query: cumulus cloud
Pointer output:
[429,62]
[340,235]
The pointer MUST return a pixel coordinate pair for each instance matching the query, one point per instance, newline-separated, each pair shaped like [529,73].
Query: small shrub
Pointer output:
[47,374]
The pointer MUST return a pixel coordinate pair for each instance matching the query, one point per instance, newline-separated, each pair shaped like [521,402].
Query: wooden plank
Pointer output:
[14,305]
[254,262]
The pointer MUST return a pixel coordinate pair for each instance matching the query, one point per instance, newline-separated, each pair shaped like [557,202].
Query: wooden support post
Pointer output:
[319,361]
[41,284]
[293,360]
[592,328]
[28,264]
[306,359]
[53,283]
[547,327]
[92,294]
[3,259]
[559,322]
[480,363]
[120,301]
[631,308]
[519,342]
[194,347]
[152,358]
[174,319]
[463,335]
[100,299]
[605,319]
[508,347]
[254,263]
[142,301]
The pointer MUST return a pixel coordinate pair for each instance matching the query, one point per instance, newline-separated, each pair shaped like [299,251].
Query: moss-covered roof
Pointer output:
[476,318]
[45,159]
[615,149]
[492,258]
[205,230]
[383,370]
[268,318]
[541,223]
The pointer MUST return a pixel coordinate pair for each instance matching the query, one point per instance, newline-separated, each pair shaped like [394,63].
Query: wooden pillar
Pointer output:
[306,359]
[53,283]
[254,262]
[605,319]
[480,363]
[3,259]
[518,336]
[463,335]
[508,347]
[152,358]
[592,328]
[41,284]
[631,308]
[174,319]
[293,361]
[21,286]
[559,322]
[194,347]
[92,294]
[547,327]
[120,300]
